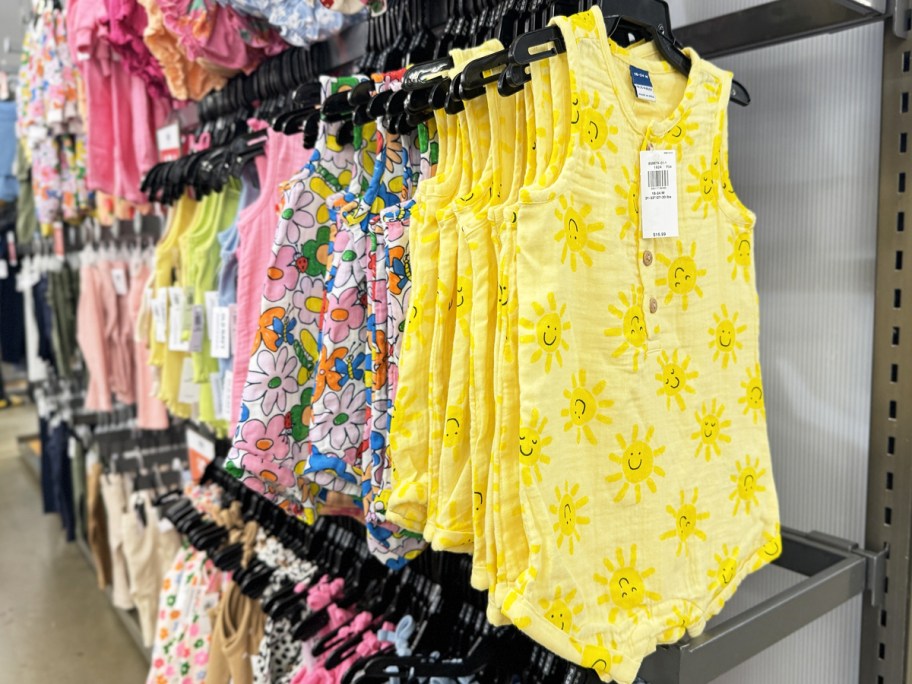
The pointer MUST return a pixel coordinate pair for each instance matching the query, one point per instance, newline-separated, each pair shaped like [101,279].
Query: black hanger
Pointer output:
[636,16]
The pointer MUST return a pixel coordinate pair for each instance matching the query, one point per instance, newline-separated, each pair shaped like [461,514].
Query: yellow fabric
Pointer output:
[658,498]
[409,424]
[167,273]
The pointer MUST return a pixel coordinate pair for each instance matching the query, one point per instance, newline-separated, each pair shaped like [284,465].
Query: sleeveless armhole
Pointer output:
[729,202]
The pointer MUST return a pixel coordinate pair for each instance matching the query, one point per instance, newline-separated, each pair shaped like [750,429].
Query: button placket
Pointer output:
[647,251]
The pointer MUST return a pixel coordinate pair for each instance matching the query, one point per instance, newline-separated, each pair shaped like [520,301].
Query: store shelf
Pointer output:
[835,570]
[778,22]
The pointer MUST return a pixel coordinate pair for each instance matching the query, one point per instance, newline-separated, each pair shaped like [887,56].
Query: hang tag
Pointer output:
[215,386]
[176,340]
[11,254]
[196,329]
[659,193]
[220,342]
[189,391]
[642,84]
[169,143]
[211,299]
[119,278]
[4,269]
[227,388]
[232,327]
[187,315]
[160,315]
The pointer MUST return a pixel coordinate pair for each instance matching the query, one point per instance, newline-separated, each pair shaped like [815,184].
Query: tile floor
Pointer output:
[55,625]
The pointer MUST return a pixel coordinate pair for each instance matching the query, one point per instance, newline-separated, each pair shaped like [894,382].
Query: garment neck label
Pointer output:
[659,193]
[642,84]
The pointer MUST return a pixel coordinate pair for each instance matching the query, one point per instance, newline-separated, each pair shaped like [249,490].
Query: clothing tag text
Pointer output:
[659,193]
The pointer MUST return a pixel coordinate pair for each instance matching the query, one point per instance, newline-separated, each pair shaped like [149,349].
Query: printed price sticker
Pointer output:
[659,193]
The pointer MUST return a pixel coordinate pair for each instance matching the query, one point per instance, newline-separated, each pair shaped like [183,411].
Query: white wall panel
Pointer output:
[804,156]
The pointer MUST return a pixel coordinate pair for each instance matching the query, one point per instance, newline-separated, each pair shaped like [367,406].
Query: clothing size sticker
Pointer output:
[119,278]
[220,329]
[659,193]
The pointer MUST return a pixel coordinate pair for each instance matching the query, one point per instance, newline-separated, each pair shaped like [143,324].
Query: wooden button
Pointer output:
[653,305]
[647,258]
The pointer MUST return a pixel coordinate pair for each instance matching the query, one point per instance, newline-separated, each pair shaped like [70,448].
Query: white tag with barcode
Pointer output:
[211,298]
[659,193]
[176,341]
[220,330]
[215,386]
[227,393]
[119,278]
[160,315]
[196,328]
[189,391]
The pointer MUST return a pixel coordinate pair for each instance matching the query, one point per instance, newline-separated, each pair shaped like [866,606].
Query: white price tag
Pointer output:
[169,142]
[232,326]
[215,386]
[119,278]
[221,333]
[160,315]
[659,193]
[227,393]
[4,269]
[196,328]
[211,299]
[176,341]
[189,391]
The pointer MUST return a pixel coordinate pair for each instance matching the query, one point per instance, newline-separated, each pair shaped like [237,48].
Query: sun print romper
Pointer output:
[657,498]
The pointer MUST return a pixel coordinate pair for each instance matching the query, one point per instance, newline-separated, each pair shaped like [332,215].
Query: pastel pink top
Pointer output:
[285,156]
[122,118]
[151,413]
[127,23]
[90,334]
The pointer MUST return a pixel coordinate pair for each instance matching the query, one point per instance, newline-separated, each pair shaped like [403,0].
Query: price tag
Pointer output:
[176,340]
[189,391]
[169,142]
[215,386]
[11,254]
[221,333]
[227,394]
[160,315]
[4,269]
[200,453]
[659,193]
[119,278]
[196,329]
[232,327]
[211,299]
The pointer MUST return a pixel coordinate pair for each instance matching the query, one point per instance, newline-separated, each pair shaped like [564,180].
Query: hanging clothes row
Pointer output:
[482,396]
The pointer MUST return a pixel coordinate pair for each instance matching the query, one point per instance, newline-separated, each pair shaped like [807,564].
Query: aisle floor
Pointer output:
[56,625]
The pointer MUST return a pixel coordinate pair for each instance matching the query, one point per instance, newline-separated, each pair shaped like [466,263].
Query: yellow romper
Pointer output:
[658,497]
[167,274]
[410,421]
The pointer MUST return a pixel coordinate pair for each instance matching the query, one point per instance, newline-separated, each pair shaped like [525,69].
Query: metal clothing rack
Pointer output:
[834,570]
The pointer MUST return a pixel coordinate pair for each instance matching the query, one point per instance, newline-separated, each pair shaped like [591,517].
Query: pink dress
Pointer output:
[151,413]
[285,155]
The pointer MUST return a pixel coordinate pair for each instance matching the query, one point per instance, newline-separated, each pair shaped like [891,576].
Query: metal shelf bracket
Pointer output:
[835,570]
[901,18]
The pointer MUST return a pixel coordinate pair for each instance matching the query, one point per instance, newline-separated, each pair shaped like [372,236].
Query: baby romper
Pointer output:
[450,527]
[271,441]
[658,499]
[410,425]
